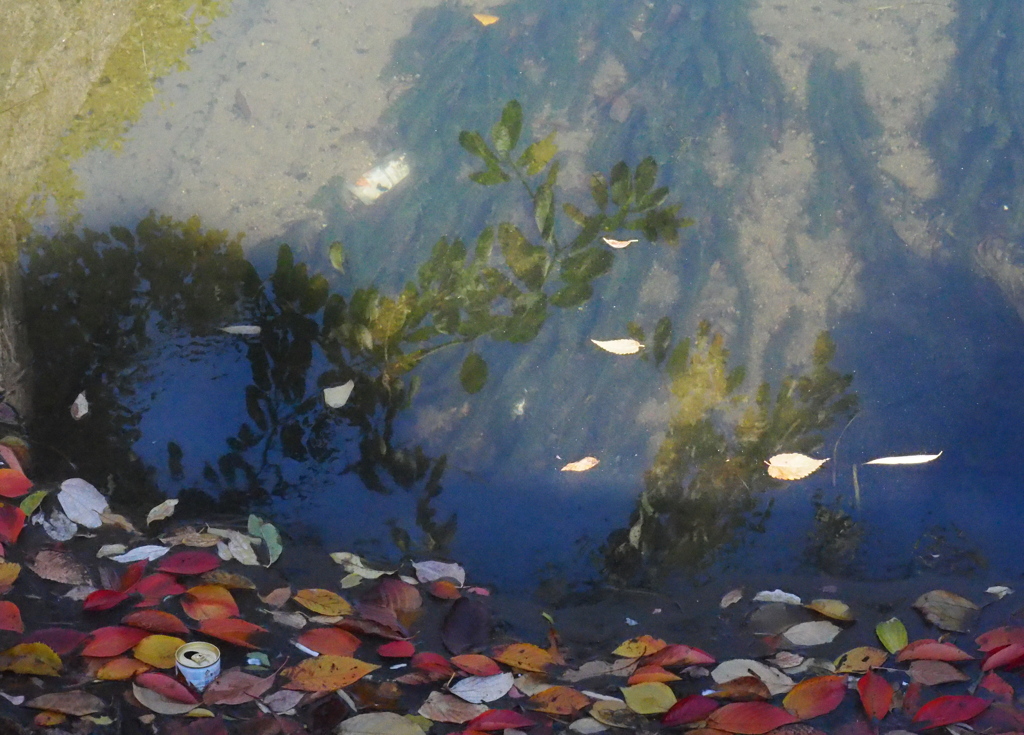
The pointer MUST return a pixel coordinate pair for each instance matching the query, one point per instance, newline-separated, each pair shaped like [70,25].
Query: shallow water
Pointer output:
[800,228]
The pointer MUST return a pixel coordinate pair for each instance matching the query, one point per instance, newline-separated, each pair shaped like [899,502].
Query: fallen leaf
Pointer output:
[692,708]
[10,617]
[792,466]
[787,598]
[167,686]
[82,502]
[618,244]
[947,610]
[104,600]
[396,649]
[112,641]
[9,572]
[486,20]
[159,703]
[238,546]
[61,640]
[1000,591]
[742,689]
[480,689]
[270,535]
[189,562]
[58,526]
[731,598]
[525,656]
[860,660]
[934,673]
[158,650]
[247,330]
[677,654]
[749,718]
[326,673]
[652,698]
[208,601]
[906,459]
[651,672]
[893,634]
[338,395]
[379,723]
[816,696]
[429,571]
[235,686]
[561,701]
[931,650]
[499,719]
[617,714]
[12,520]
[467,625]
[813,633]
[619,346]
[994,683]
[441,707]
[644,645]
[875,695]
[75,702]
[582,465]
[121,669]
[162,511]
[476,664]
[323,602]
[32,659]
[232,630]
[80,406]
[835,609]
[277,598]
[949,709]
[228,580]
[155,587]
[141,553]
[333,641]
[60,566]
[775,680]
[13,482]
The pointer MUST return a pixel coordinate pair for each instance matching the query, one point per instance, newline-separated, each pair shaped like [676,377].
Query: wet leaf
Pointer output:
[245,330]
[692,708]
[396,649]
[623,346]
[112,641]
[158,702]
[441,707]
[82,502]
[444,590]
[731,598]
[121,669]
[155,587]
[60,566]
[948,710]
[480,689]
[644,645]
[277,598]
[892,634]
[13,483]
[9,572]
[486,20]
[31,503]
[208,601]
[835,609]
[860,660]
[270,535]
[931,650]
[75,702]
[104,600]
[141,553]
[336,253]
[12,520]
[582,465]
[476,664]
[32,659]
[792,466]
[231,630]
[560,701]
[780,596]
[946,610]
[337,396]
[229,580]
[934,673]
[743,689]
[354,564]
[775,680]
[499,719]
[813,633]
[906,459]
[649,699]
[323,602]
[875,695]
[617,714]
[189,562]
[429,571]
[679,655]
[326,673]
[161,511]
[999,637]
[998,686]
[525,656]
[331,641]
[651,672]
[379,723]
[61,640]
[816,696]
[618,244]
[1009,657]
[235,686]
[158,650]
[10,617]
[749,718]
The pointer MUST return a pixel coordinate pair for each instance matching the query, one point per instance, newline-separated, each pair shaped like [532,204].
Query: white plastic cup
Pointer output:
[199,663]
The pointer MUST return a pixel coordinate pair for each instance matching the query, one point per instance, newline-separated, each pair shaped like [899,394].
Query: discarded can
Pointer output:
[380,179]
[199,663]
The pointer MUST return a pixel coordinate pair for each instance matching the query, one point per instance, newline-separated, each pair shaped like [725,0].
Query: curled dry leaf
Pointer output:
[619,346]
[792,466]
[618,244]
[485,20]
[906,459]
[582,465]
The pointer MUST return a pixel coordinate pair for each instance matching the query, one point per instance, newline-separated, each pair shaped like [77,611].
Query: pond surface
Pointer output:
[847,227]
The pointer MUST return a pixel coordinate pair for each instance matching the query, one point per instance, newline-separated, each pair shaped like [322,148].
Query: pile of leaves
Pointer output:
[413,649]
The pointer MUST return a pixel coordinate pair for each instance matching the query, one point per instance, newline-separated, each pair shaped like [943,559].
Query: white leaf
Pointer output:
[108,550]
[337,396]
[777,596]
[58,526]
[82,502]
[480,689]
[792,466]
[619,346]
[999,591]
[159,512]
[430,571]
[80,407]
[906,459]
[159,703]
[587,726]
[582,465]
[775,680]
[149,553]
[247,330]
[354,564]
[17,700]
[731,598]
[530,684]
[813,633]
[618,244]
[238,546]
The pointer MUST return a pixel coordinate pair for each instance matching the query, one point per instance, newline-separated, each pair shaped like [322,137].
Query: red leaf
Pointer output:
[875,695]
[156,587]
[189,562]
[433,663]
[61,640]
[396,649]
[950,709]
[749,718]
[999,637]
[931,650]
[912,698]
[132,575]
[232,630]
[395,595]
[112,641]
[1009,656]
[997,685]
[12,520]
[477,664]
[104,599]
[330,641]
[816,696]
[167,686]
[10,617]
[693,708]
[13,484]
[209,601]
[156,621]
[679,655]
[499,719]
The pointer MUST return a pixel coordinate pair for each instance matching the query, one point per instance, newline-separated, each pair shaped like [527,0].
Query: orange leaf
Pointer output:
[679,655]
[477,664]
[816,696]
[998,686]
[112,641]
[651,673]
[12,520]
[525,656]
[326,673]
[444,589]
[10,617]
[559,700]
[875,695]
[643,645]
[931,650]
[121,669]
[749,718]
[332,641]
[323,602]
[156,621]
[158,650]
[13,483]
[209,601]
[232,630]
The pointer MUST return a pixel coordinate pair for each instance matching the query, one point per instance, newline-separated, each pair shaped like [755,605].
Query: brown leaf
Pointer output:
[582,465]
[792,466]
[947,610]
[276,598]
[441,707]
[235,686]
[75,702]
[60,566]
[933,673]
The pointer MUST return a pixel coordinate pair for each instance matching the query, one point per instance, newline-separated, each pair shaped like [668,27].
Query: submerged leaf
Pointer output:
[875,695]
[749,718]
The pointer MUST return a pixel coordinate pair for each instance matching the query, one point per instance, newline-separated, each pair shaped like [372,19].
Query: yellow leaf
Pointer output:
[651,698]
[158,650]
[860,660]
[906,459]
[616,714]
[33,659]
[9,572]
[559,700]
[159,512]
[323,602]
[525,656]
[486,20]
[835,609]
[326,673]
[619,346]
[643,645]
[582,465]
[792,466]
[121,669]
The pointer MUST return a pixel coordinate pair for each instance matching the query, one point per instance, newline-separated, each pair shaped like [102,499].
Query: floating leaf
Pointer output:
[326,673]
[560,701]
[441,707]
[525,656]
[906,459]
[31,659]
[792,466]
[480,689]
[813,633]
[13,482]
[82,502]
[10,617]
[860,660]
[892,634]
[235,686]
[141,553]
[692,708]
[331,641]
[379,723]
[121,669]
[338,395]
[59,566]
[209,601]
[948,710]
[815,696]
[159,703]
[743,689]
[679,655]
[396,649]
[75,702]
[155,587]
[31,503]
[61,640]
[161,511]
[79,407]
[158,650]
[651,672]
[429,571]
[246,330]
[270,535]
[232,630]
[9,572]
[12,520]
[104,600]
[486,20]
[112,641]
[934,673]
[834,609]
[619,346]
[323,602]
[1009,656]
[731,598]
[931,650]
[875,695]
[644,645]
[947,610]
[582,465]
[749,718]
[618,244]
[775,680]
[476,664]
[786,598]
[499,719]
[189,562]
[652,698]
